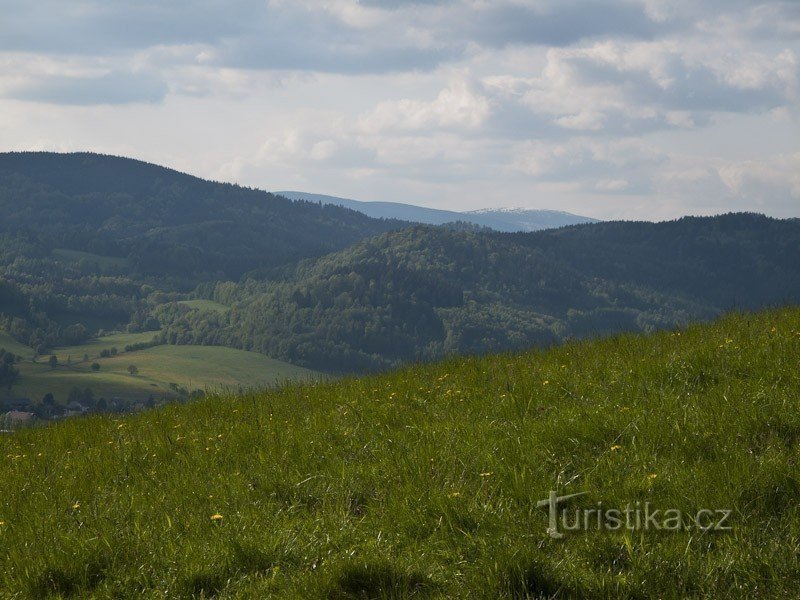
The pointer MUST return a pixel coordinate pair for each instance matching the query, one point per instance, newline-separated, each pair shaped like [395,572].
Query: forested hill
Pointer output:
[91,243]
[162,221]
[740,260]
[424,292]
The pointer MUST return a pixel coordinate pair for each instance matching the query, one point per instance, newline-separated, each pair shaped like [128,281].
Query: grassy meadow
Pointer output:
[103,262]
[205,305]
[190,367]
[11,345]
[424,482]
[94,347]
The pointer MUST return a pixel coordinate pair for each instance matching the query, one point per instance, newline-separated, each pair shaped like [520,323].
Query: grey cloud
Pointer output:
[561,24]
[515,121]
[290,35]
[113,88]
[691,87]
[295,38]
[243,34]
[395,4]
[332,55]
[98,27]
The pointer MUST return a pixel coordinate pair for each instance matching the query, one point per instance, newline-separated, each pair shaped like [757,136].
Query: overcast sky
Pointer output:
[635,109]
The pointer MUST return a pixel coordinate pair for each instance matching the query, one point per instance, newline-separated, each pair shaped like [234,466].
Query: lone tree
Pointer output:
[95,367]
[133,370]
[8,373]
[53,361]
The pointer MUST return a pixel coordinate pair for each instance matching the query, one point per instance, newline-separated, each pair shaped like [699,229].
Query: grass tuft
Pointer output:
[379,581]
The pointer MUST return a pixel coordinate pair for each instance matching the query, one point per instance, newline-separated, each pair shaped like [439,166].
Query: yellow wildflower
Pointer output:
[616,447]
[216,517]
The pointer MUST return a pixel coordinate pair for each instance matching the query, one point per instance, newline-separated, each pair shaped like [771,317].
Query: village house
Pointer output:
[15,418]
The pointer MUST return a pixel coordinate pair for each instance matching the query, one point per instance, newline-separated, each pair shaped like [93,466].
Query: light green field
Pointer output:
[191,367]
[208,305]
[95,346]
[104,262]
[36,380]
[201,367]
[12,345]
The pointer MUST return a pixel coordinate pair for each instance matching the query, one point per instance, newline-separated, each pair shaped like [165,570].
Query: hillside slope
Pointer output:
[422,293]
[425,481]
[163,221]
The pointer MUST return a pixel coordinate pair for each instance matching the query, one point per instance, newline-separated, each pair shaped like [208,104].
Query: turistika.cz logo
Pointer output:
[639,516]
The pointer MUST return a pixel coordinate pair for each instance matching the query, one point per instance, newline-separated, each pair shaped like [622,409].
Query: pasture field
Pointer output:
[209,305]
[95,346]
[11,345]
[190,367]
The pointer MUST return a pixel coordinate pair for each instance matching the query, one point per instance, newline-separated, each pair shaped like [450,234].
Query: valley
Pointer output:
[97,374]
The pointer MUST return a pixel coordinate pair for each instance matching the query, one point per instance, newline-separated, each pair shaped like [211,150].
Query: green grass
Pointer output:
[208,305]
[424,482]
[207,367]
[191,367]
[104,262]
[11,345]
[95,346]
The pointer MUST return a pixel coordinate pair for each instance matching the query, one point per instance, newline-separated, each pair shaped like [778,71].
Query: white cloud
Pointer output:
[585,120]
[761,179]
[323,149]
[612,185]
[458,105]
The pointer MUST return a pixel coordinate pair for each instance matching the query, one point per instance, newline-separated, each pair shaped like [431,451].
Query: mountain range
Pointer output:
[92,243]
[503,219]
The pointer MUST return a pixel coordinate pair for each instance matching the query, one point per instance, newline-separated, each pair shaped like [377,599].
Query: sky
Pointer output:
[615,109]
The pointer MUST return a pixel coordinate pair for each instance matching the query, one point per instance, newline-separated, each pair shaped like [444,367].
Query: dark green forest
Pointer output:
[423,292]
[90,242]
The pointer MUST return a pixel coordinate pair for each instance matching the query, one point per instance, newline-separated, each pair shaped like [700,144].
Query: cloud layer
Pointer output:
[619,108]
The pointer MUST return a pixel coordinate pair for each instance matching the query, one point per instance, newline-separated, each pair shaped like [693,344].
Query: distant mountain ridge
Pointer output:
[502,219]
[165,222]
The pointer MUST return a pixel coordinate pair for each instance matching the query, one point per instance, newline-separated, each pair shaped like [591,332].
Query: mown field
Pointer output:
[11,345]
[205,305]
[103,262]
[95,346]
[190,367]
[424,482]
